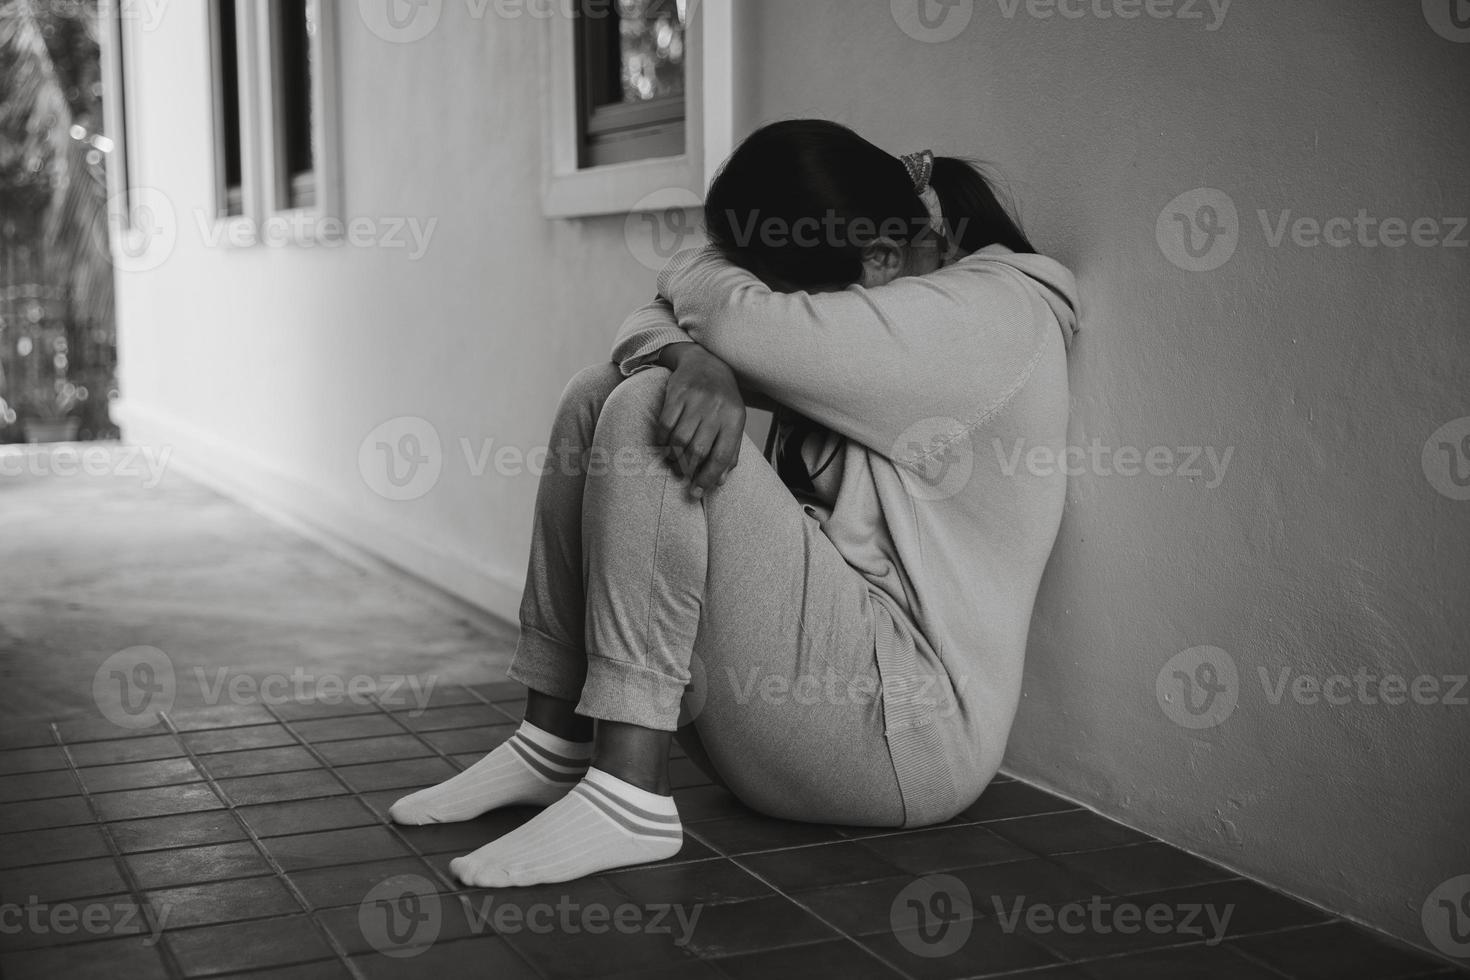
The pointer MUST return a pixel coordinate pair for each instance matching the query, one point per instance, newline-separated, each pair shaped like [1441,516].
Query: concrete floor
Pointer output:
[92,564]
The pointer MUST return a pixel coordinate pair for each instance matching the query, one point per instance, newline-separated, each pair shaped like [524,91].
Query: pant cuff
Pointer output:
[547,665]
[616,690]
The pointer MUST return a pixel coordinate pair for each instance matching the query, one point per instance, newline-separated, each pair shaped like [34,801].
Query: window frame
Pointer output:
[238,227]
[117,118]
[572,190]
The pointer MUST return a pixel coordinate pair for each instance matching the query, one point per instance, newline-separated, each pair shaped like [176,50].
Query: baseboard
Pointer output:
[488,596]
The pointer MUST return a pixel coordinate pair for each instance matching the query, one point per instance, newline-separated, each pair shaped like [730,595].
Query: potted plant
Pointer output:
[54,419]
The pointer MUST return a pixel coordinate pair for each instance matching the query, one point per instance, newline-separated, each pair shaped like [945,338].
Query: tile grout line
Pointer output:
[276,870]
[135,891]
[455,891]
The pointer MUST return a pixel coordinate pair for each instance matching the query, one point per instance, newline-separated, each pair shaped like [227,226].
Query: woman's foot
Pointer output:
[532,768]
[603,823]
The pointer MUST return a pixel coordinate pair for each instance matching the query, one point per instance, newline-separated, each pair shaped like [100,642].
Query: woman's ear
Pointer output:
[882,262]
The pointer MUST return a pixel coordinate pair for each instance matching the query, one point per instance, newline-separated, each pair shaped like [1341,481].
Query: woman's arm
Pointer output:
[867,363]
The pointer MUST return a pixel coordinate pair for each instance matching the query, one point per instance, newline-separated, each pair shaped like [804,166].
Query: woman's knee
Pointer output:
[590,387]
[633,406]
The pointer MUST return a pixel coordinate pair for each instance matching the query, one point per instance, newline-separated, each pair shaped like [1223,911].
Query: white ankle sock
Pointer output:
[533,768]
[601,824]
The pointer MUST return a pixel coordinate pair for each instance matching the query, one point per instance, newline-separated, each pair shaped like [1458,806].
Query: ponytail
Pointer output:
[973,211]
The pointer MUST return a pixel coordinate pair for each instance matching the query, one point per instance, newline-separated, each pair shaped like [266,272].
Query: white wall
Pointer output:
[1323,370]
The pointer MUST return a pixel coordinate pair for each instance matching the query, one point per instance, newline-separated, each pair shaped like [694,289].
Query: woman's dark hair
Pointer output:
[799,200]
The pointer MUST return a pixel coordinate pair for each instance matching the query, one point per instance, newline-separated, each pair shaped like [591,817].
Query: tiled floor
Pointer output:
[254,840]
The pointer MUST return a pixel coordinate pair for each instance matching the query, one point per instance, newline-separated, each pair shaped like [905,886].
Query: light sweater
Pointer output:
[949,394]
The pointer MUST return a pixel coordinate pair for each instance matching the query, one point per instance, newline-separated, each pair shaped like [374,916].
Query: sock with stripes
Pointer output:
[601,824]
[532,768]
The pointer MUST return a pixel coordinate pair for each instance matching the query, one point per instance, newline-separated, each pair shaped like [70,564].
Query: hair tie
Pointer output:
[921,171]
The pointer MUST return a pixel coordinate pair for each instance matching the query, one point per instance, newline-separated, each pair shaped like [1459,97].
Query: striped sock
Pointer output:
[603,823]
[532,768]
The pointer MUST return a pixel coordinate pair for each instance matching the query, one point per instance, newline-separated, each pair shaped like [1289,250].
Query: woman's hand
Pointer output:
[703,419]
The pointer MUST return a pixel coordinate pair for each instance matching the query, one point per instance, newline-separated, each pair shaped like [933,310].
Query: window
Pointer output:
[274,99]
[637,103]
[115,103]
[630,55]
[292,27]
[226,43]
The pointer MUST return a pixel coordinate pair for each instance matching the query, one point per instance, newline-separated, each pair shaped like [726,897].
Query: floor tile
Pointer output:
[126,750]
[743,835]
[480,740]
[571,952]
[50,845]
[994,887]
[403,774]
[942,848]
[759,924]
[963,948]
[220,716]
[179,830]
[700,803]
[1142,868]
[383,749]
[103,960]
[373,930]
[37,786]
[471,959]
[355,845]
[194,865]
[1062,833]
[1197,962]
[94,729]
[867,908]
[1337,951]
[64,811]
[221,901]
[281,787]
[294,711]
[27,735]
[1013,799]
[457,716]
[333,969]
[697,883]
[840,863]
[306,816]
[840,958]
[49,883]
[156,802]
[139,775]
[500,691]
[255,762]
[437,695]
[347,727]
[238,739]
[31,760]
[247,945]
[350,884]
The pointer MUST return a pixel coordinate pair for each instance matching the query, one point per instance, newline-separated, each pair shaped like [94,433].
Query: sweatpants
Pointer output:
[731,619]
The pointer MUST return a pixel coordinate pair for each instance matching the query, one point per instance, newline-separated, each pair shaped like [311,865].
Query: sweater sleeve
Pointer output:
[871,364]
[644,334]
